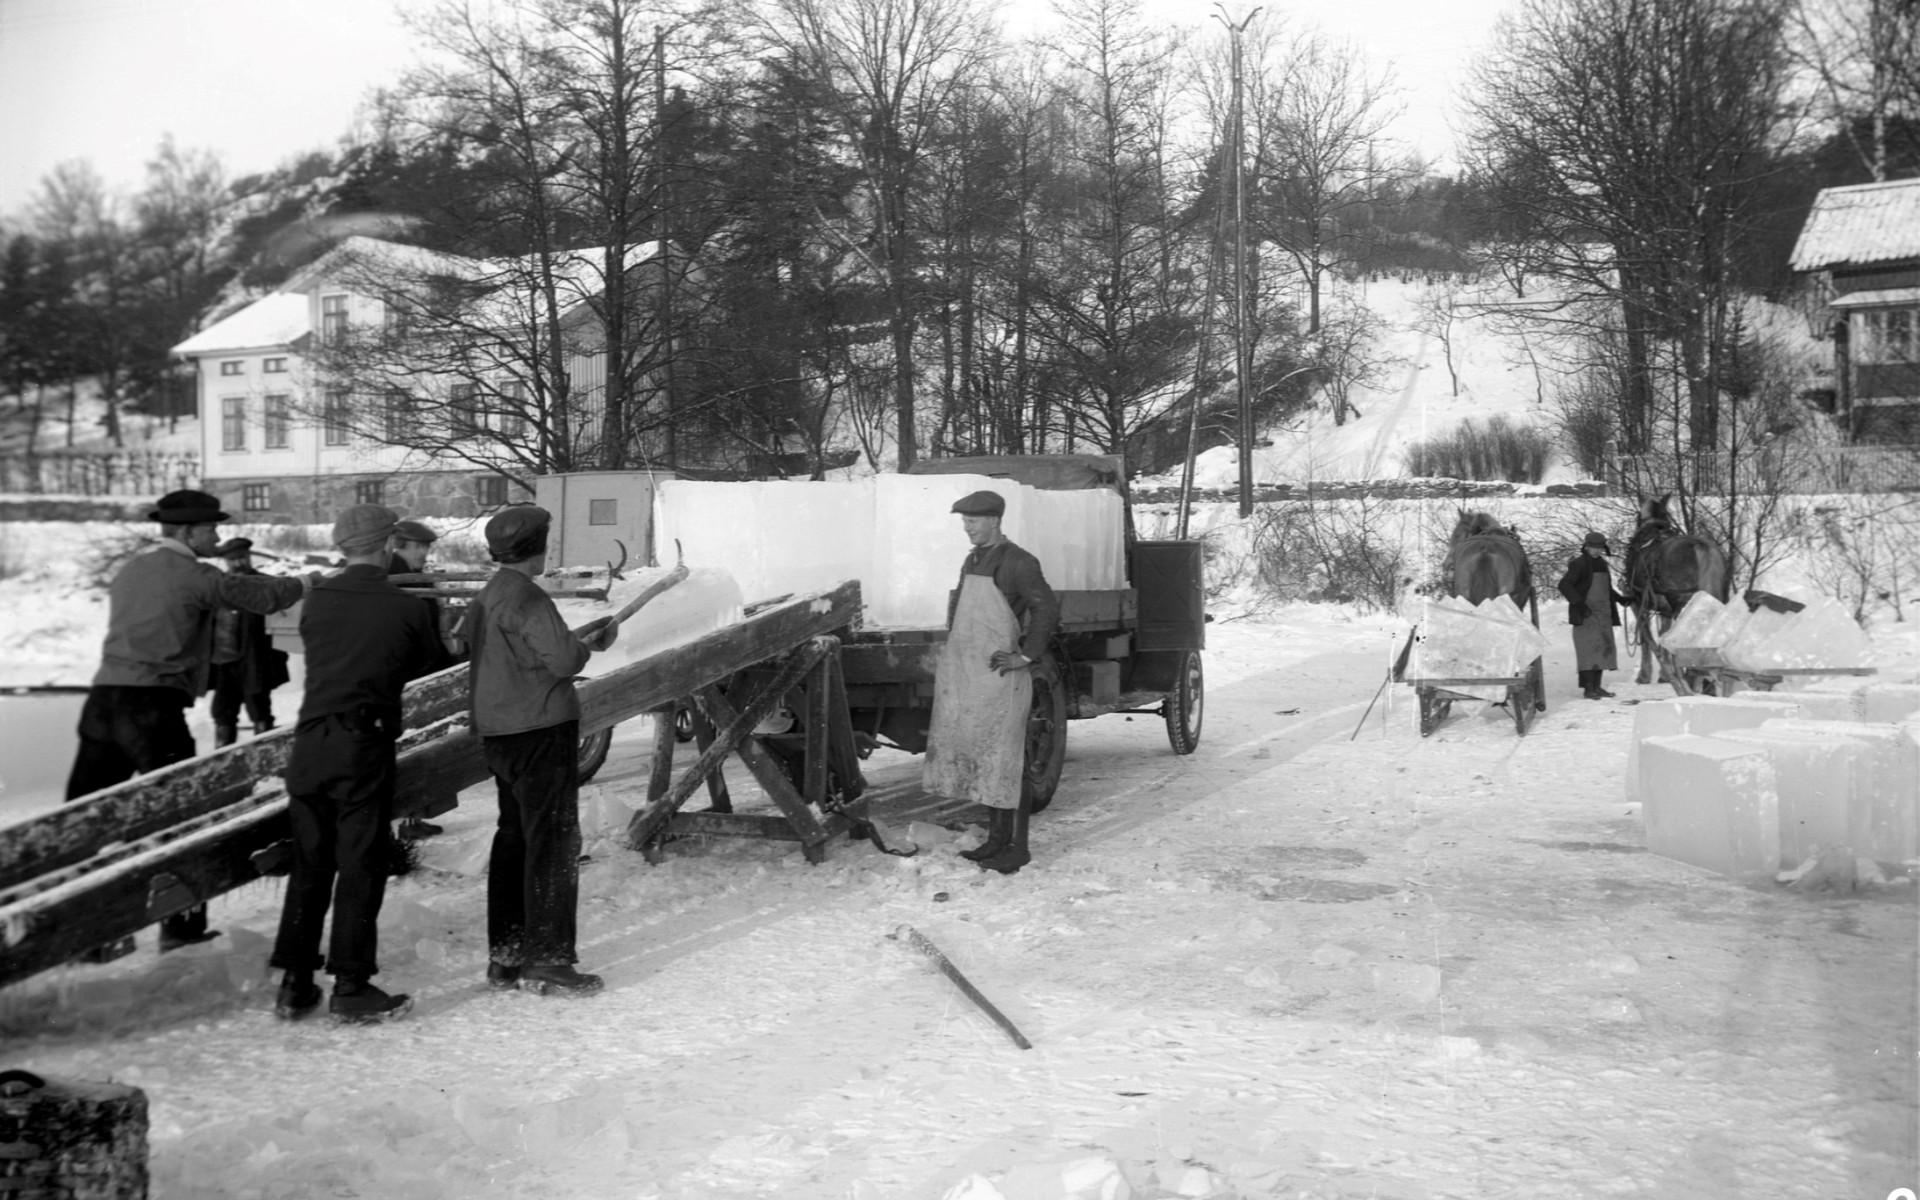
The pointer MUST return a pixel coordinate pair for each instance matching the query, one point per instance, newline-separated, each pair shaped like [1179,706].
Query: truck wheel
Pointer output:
[1046,743]
[593,752]
[1185,705]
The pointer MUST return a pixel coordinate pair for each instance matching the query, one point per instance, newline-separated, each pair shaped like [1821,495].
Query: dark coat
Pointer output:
[1577,583]
[1017,574]
[365,639]
[243,650]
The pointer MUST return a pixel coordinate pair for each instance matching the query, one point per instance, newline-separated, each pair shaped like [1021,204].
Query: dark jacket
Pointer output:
[1017,574]
[243,650]
[160,617]
[1578,580]
[523,656]
[364,640]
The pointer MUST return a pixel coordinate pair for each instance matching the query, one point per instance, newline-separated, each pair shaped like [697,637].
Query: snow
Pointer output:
[1320,957]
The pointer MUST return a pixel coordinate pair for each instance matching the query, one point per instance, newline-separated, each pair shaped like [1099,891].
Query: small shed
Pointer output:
[1863,242]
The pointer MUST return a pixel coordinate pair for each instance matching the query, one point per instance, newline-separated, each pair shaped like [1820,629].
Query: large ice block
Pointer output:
[1822,634]
[1461,640]
[706,600]
[1696,626]
[1884,821]
[918,544]
[1711,803]
[1888,701]
[1701,715]
[1819,775]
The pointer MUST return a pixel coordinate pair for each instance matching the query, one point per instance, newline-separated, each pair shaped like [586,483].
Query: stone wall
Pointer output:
[316,500]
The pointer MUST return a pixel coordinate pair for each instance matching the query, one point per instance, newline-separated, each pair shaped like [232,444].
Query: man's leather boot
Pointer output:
[225,735]
[558,979]
[1014,855]
[357,1002]
[999,830]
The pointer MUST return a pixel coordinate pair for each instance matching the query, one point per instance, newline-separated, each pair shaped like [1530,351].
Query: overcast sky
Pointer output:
[263,80]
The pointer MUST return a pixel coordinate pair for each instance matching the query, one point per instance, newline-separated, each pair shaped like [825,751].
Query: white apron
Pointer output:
[976,745]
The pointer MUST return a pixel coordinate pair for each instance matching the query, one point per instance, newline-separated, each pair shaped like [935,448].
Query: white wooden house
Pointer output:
[281,442]
[1862,245]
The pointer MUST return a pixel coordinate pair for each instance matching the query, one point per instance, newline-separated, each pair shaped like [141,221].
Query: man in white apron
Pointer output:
[999,624]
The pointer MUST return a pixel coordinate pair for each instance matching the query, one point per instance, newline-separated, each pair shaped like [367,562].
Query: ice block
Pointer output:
[1711,803]
[1694,627]
[706,600]
[1820,635]
[1700,715]
[1888,701]
[1883,822]
[1820,776]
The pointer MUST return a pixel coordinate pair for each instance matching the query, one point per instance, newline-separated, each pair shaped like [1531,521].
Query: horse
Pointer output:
[1665,568]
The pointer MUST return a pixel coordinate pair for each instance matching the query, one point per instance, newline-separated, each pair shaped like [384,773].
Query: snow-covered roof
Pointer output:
[276,320]
[1867,223]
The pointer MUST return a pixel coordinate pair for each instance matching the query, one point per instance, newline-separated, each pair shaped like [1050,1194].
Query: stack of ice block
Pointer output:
[1704,715]
[1461,640]
[1820,635]
[1881,819]
[1696,632]
[896,534]
[1819,777]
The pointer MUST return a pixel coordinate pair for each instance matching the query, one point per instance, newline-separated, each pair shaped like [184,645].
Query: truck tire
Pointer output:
[593,752]
[1046,742]
[1185,705]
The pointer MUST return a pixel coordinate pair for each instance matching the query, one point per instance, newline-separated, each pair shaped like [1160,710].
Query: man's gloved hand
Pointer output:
[598,634]
[1576,613]
[1004,661]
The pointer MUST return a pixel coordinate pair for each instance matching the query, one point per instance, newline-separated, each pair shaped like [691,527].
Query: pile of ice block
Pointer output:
[706,600]
[896,534]
[1746,786]
[1708,633]
[1457,639]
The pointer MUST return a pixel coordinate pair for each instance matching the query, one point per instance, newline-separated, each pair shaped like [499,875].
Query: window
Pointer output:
[273,366]
[490,491]
[399,417]
[256,497]
[233,423]
[333,320]
[463,410]
[370,491]
[513,411]
[396,318]
[336,416]
[1892,335]
[603,512]
[233,368]
[277,420]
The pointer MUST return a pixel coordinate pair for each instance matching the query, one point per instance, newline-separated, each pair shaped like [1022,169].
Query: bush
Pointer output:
[1343,552]
[1498,450]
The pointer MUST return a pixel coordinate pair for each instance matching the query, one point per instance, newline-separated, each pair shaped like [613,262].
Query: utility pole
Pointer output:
[1242,353]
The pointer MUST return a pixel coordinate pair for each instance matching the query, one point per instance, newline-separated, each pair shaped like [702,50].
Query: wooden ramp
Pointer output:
[107,865]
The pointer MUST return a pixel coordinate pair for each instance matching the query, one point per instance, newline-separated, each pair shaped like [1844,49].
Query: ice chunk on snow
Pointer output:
[1884,820]
[1701,715]
[1822,634]
[1711,803]
[1819,775]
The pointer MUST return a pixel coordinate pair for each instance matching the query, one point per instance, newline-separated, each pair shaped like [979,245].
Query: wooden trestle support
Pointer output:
[111,863]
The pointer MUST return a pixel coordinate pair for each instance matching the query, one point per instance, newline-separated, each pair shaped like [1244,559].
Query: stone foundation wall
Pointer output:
[316,500]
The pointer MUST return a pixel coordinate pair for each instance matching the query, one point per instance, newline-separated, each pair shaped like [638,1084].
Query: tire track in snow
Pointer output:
[1377,454]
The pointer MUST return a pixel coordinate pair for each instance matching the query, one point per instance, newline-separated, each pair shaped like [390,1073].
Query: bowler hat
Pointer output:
[981,504]
[414,531]
[363,527]
[233,547]
[1597,541]
[187,507]
[517,533]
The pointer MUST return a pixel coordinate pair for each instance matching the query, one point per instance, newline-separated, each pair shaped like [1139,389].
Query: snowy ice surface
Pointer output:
[1320,957]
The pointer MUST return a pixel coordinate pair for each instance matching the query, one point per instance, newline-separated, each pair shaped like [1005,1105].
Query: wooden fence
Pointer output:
[92,473]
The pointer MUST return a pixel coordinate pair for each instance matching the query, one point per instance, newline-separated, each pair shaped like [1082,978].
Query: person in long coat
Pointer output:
[1593,611]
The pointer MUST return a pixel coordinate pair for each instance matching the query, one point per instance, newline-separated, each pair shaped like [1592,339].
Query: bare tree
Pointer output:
[1864,58]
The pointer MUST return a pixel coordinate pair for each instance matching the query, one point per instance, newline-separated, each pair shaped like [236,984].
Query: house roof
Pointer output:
[1867,223]
[276,320]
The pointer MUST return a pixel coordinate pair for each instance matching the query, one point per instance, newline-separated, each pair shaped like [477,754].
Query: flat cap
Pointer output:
[1597,541]
[517,532]
[364,527]
[187,507]
[232,547]
[414,531]
[981,504]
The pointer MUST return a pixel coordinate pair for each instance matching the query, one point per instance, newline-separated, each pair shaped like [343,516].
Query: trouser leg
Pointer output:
[539,774]
[362,853]
[303,912]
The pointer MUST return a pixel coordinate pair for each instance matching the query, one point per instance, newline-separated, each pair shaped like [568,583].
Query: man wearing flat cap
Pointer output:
[412,542]
[1593,611]
[246,667]
[364,640]
[527,716]
[155,662]
[1002,600]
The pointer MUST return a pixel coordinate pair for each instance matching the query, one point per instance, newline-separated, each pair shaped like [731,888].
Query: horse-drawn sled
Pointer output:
[1481,643]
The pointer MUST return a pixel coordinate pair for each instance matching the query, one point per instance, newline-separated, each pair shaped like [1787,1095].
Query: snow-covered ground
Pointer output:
[1321,957]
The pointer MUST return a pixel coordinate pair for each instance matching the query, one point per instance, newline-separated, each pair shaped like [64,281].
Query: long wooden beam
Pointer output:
[92,881]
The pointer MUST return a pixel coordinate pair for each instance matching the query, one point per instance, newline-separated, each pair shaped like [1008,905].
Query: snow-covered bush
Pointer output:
[1346,551]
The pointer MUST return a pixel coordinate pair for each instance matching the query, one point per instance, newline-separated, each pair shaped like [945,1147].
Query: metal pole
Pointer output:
[1241,357]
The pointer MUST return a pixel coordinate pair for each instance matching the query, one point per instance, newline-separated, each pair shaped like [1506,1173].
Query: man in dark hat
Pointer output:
[1015,578]
[245,667]
[155,661]
[412,543]
[523,659]
[364,639]
[1592,610]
